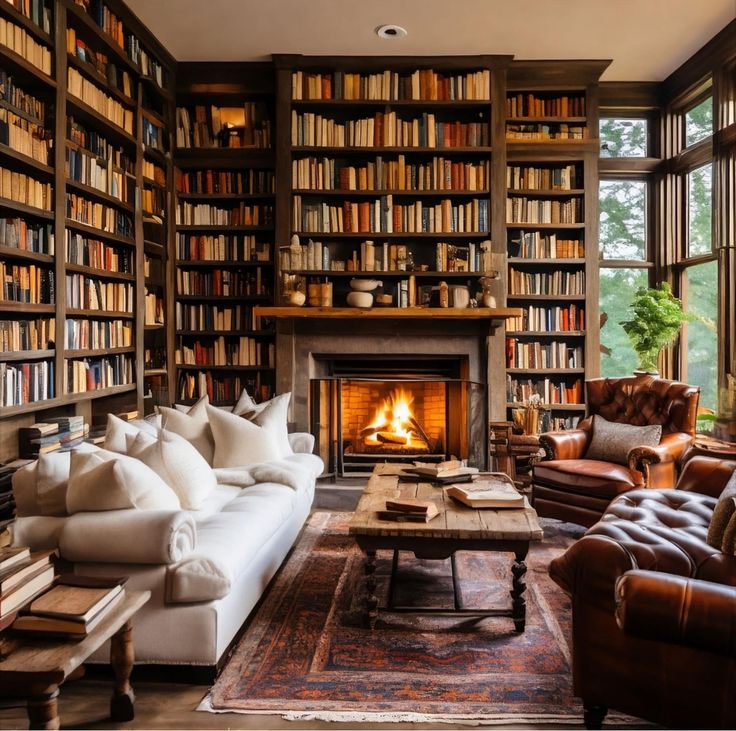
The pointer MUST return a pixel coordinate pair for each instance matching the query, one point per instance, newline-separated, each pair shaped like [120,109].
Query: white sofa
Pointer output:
[206,569]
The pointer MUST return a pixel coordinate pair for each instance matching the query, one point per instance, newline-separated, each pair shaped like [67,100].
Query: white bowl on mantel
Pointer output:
[364,285]
[360,299]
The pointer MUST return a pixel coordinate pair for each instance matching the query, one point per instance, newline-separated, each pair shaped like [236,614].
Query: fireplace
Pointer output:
[396,409]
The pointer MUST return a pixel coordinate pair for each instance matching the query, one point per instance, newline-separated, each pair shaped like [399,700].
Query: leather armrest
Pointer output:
[564,444]
[668,452]
[670,608]
[706,475]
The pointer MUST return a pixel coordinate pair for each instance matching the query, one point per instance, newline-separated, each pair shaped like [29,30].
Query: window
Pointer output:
[700,210]
[623,211]
[699,122]
[617,290]
[623,137]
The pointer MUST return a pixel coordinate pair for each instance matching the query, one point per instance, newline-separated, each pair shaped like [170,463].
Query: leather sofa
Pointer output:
[654,606]
[568,486]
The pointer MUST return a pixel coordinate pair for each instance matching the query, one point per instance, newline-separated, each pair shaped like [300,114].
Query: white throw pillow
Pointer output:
[274,416]
[104,480]
[239,442]
[40,487]
[246,405]
[117,428]
[194,426]
[178,464]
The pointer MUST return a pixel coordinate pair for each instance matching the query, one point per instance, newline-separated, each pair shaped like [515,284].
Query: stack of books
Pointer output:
[23,576]
[452,470]
[495,490]
[74,606]
[409,510]
[7,501]
[57,433]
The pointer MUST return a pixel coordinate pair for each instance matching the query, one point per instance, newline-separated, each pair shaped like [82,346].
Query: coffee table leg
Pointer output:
[371,600]
[121,659]
[518,587]
[43,711]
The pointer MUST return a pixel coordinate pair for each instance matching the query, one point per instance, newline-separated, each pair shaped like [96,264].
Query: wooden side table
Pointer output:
[33,667]
[513,454]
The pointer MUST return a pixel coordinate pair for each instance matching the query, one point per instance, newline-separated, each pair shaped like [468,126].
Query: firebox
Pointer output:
[396,410]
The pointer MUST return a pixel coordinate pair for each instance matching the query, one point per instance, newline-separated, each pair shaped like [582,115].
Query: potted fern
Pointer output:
[657,316]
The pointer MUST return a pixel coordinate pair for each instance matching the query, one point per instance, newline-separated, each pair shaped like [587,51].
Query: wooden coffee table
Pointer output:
[33,667]
[456,528]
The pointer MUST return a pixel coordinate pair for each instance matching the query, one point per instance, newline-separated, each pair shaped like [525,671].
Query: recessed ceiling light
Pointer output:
[391,31]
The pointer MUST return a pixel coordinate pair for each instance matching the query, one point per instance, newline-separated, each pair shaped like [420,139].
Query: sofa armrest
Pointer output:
[683,611]
[301,442]
[564,444]
[658,464]
[706,475]
[129,536]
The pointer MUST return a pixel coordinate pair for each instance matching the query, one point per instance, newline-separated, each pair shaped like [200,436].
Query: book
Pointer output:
[495,491]
[20,572]
[401,516]
[10,556]
[448,469]
[25,592]
[410,505]
[68,600]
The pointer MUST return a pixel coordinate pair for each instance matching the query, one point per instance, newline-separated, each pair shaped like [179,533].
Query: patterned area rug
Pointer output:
[304,656]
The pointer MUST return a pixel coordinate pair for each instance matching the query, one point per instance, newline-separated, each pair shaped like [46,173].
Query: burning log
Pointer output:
[419,430]
[388,437]
[369,431]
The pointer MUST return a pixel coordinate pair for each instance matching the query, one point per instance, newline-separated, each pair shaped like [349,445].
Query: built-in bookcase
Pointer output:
[225,225]
[551,233]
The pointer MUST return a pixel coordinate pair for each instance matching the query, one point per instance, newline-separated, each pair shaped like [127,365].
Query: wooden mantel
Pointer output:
[391,313]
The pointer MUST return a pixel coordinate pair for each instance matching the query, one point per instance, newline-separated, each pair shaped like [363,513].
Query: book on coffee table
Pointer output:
[491,492]
[409,510]
[443,472]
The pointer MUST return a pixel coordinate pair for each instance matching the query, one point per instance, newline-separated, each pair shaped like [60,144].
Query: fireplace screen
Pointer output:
[359,422]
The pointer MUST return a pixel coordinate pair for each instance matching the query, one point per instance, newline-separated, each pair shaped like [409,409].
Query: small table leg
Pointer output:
[371,600]
[43,711]
[518,587]
[121,659]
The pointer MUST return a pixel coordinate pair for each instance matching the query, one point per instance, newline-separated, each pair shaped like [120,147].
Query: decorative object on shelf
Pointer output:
[360,299]
[460,296]
[365,285]
[486,297]
[657,316]
[444,294]
[295,297]
[384,300]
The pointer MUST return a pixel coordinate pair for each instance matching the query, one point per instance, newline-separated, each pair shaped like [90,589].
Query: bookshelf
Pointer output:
[551,216]
[391,164]
[225,224]
[75,110]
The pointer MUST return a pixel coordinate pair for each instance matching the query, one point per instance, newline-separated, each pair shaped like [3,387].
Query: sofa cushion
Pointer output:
[587,477]
[103,480]
[40,487]
[228,541]
[194,426]
[724,510]
[612,441]
[274,416]
[177,463]
[118,429]
[239,442]
[310,463]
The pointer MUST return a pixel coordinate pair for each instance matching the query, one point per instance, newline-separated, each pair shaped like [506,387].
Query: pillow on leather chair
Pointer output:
[612,441]
[728,546]
[722,514]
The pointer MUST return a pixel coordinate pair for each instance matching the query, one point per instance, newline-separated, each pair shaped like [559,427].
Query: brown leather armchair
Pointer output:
[654,606]
[565,485]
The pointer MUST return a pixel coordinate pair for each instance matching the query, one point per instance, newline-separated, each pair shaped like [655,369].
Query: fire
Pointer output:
[394,423]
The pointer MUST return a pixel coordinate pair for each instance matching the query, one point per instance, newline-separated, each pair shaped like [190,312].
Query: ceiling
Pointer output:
[647,39]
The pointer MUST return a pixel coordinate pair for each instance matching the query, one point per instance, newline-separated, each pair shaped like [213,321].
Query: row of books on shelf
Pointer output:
[207,317]
[225,182]
[154,358]
[221,283]
[214,126]
[92,374]
[221,389]
[154,309]
[89,293]
[19,41]
[384,216]
[533,210]
[25,189]
[550,390]
[99,146]
[98,215]
[529,177]
[420,85]
[153,135]
[36,334]
[25,383]
[198,214]
[153,172]
[570,318]
[116,78]
[24,102]
[24,235]
[102,103]
[27,138]
[538,245]
[87,334]
[437,174]
[244,351]
[7,501]
[561,131]
[222,247]
[386,130]
[552,283]
[83,251]
[26,283]
[532,105]
[103,174]
[521,354]
[153,200]
[37,11]
[51,435]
